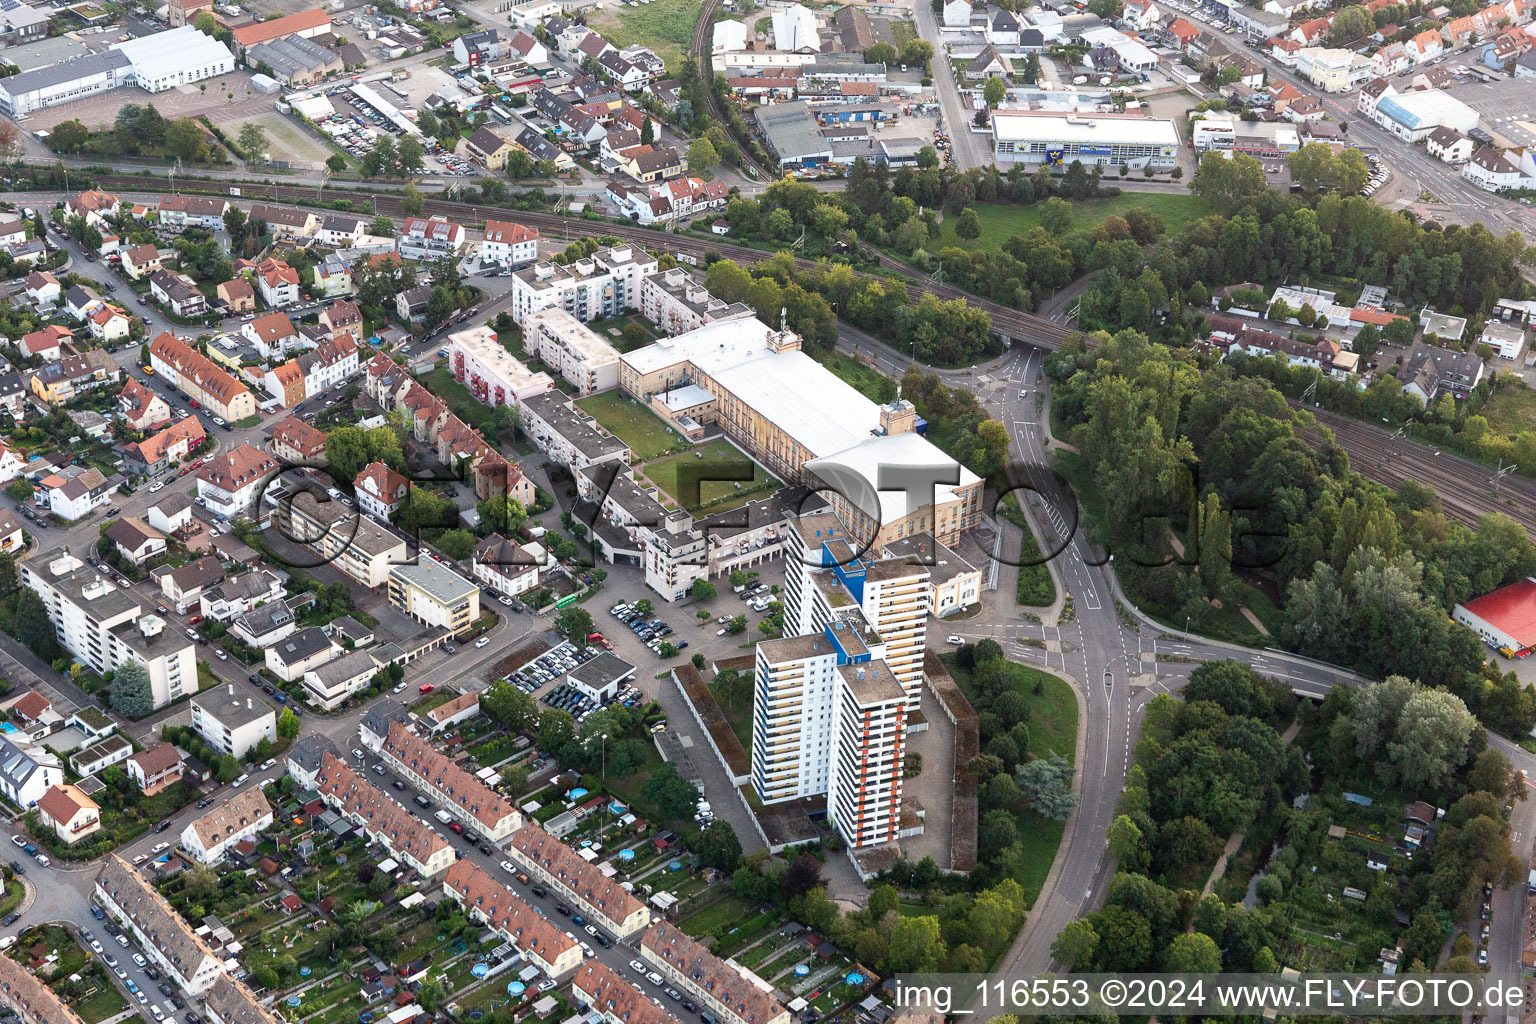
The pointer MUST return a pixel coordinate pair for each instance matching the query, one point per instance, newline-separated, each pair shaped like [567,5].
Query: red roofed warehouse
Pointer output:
[1505,619]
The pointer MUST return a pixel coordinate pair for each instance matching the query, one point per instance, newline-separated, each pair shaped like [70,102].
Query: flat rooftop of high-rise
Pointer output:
[795,648]
[894,569]
[855,641]
[871,683]
[942,562]
[836,594]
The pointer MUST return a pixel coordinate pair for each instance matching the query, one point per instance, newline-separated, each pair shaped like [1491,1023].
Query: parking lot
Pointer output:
[1506,108]
[357,128]
[228,98]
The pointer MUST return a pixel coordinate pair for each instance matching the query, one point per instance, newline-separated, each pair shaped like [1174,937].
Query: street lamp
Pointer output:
[607,800]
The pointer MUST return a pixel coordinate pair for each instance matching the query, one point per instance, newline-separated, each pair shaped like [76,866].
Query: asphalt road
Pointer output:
[1116,666]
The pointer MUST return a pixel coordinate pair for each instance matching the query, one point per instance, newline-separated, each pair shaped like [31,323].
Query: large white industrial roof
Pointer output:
[1416,109]
[1027,126]
[873,455]
[807,401]
[165,53]
[711,348]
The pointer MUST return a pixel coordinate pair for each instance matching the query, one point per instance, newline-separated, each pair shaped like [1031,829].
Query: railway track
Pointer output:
[699,49]
[1010,323]
[1465,488]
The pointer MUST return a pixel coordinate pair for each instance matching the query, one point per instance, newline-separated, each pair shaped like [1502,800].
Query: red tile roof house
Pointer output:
[380,490]
[272,334]
[45,343]
[279,283]
[155,769]
[71,813]
[297,441]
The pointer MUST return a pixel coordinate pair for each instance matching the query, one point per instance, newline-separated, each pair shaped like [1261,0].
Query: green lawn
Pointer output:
[707,920]
[1001,221]
[718,464]
[1511,408]
[634,424]
[465,406]
[666,26]
[607,327]
[1035,588]
[105,1002]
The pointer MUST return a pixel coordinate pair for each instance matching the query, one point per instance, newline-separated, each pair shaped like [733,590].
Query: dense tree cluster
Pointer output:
[935,331]
[139,130]
[1367,575]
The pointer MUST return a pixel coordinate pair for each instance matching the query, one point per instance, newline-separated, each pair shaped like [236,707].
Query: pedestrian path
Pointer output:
[1235,840]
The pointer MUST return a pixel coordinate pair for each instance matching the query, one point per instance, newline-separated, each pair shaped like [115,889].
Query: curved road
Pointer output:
[1116,664]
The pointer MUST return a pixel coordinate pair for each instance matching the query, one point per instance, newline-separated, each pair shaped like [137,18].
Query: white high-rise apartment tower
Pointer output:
[833,698]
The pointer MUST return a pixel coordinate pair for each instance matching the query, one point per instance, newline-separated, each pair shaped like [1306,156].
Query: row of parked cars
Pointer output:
[1379,175]
[555,662]
[651,631]
[756,597]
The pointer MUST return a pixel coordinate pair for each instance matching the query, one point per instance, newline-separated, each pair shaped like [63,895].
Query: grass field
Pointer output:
[707,920]
[439,380]
[999,222]
[1511,409]
[634,424]
[666,26]
[286,140]
[718,464]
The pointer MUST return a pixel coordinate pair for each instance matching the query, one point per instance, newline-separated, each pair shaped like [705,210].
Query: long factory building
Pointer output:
[1105,140]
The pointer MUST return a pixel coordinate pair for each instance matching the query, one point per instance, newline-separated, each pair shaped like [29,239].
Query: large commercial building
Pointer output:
[159,931]
[307,24]
[571,349]
[1030,137]
[433,773]
[484,366]
[165,60]
[601,899]
[1414,115]
[807,426]
[1505,618]
[381,818]
[104,626]
[490,902]
[604,284]
[1261,139]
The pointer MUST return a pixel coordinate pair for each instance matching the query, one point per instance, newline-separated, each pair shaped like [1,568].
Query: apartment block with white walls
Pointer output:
[104,626]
